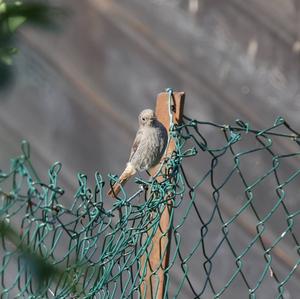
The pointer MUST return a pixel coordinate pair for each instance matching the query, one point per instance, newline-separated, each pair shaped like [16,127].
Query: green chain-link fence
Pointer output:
[226,179]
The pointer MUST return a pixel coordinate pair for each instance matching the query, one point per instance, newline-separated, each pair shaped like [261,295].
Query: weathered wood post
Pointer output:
[158,259]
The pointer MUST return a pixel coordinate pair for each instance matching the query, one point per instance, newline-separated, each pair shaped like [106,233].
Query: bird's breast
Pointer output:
[150,149]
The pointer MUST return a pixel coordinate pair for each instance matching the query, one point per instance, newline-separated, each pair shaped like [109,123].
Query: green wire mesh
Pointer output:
[220,180]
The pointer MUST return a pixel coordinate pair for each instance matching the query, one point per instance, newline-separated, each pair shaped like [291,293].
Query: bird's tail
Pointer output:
[125,176]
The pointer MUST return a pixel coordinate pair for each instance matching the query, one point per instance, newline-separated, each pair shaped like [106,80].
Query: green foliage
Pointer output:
[43,270]
[13,15]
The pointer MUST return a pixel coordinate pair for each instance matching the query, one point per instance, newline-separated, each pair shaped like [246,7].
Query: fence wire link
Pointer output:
[56,246]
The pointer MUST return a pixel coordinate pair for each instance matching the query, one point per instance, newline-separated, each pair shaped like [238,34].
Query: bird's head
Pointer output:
[147,117]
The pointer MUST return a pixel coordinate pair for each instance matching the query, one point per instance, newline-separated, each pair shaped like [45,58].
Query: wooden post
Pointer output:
[160,250]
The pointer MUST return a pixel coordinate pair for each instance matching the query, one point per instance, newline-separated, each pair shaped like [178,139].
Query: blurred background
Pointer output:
[75,90]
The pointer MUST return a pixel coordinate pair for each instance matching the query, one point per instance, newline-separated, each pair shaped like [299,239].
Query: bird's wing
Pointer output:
[136,143]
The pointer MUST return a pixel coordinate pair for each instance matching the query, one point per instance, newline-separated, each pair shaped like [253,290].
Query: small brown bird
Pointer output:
[147,149]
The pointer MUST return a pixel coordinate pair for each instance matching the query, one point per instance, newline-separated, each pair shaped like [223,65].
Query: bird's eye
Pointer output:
[143,118]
